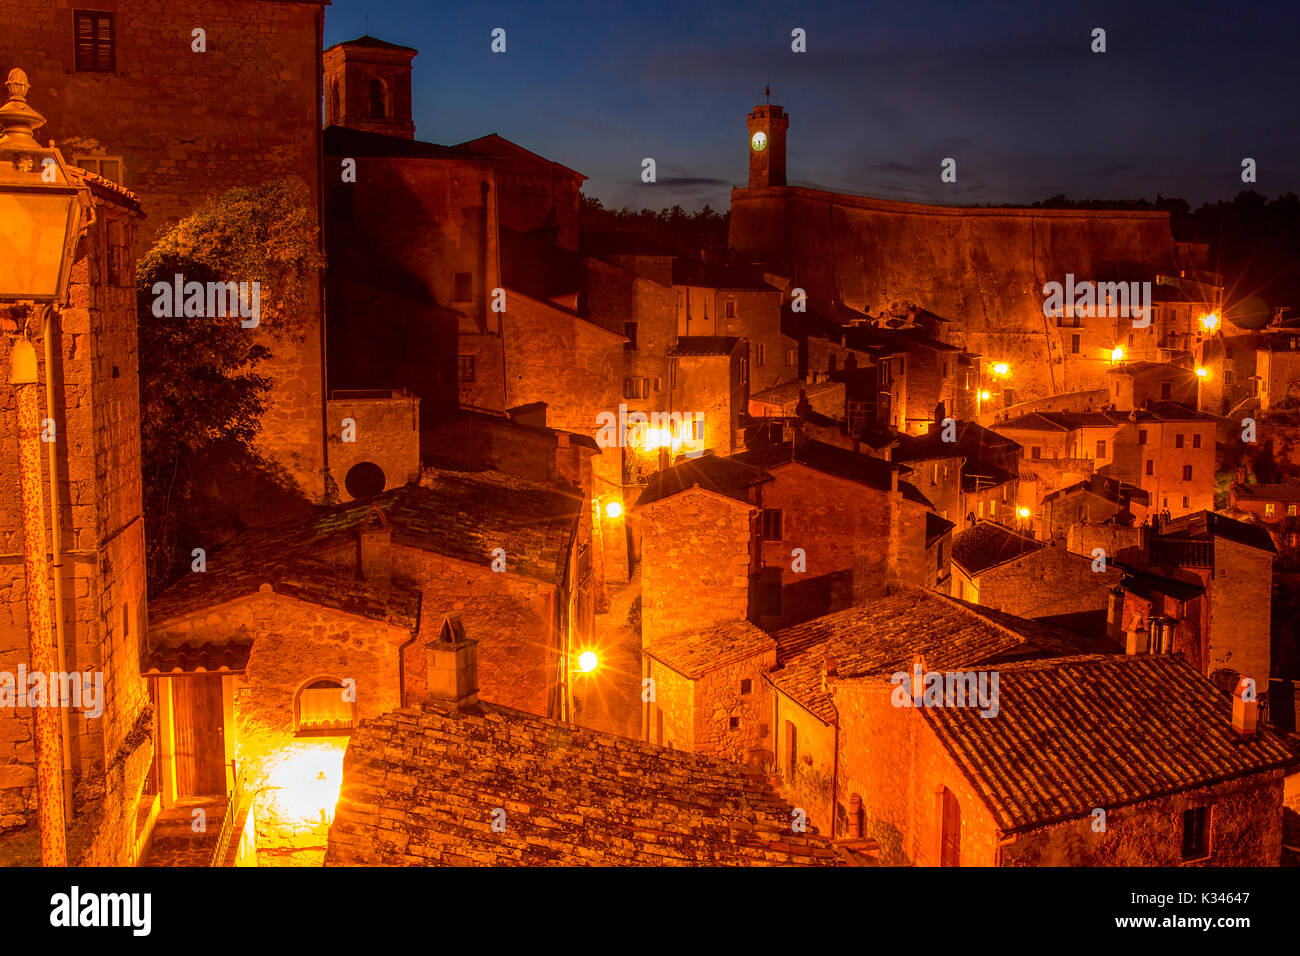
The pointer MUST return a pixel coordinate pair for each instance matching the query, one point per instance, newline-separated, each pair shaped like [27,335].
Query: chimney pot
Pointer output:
[453,665]
[1245,709]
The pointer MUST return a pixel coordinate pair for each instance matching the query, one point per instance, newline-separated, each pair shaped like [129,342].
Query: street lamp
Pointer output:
[41,218]
[41,210]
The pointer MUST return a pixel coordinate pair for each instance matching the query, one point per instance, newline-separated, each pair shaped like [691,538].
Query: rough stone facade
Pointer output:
[698,552]
[385,432]
[96,421]
[1047,583]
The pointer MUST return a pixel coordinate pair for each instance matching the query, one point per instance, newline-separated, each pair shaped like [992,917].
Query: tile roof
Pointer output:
[936,527]
[1097,731]
[375,42]
[420,788]
[462,515]
[723,476]
[832,460]
[695,653]
[881,637]
[1282,491]
[705,345]
[987,544]
[1207,525]
[345,141]
[972,441]
[227,656]
[789,392]
[1147,585]
[1111,489]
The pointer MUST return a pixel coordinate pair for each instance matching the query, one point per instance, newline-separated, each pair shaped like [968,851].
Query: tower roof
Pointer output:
[374,43]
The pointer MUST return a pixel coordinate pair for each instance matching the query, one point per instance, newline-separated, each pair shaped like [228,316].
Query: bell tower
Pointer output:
[368,86]
[767,126]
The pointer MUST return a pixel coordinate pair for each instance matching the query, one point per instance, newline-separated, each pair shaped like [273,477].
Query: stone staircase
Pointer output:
[175,841]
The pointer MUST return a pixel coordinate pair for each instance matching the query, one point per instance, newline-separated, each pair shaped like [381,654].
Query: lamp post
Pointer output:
[41,212]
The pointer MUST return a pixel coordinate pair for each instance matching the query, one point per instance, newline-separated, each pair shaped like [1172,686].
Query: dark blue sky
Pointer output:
[884,93]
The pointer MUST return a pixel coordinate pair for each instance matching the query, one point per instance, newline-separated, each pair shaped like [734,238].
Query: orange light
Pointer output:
[1203,372]
[984,396]
[613,509]
[1023,512]
[1001,368]
[588,661]
[1210,322]
[1117,354]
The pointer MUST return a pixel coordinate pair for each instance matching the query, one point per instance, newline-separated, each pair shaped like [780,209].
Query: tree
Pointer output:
[201,396]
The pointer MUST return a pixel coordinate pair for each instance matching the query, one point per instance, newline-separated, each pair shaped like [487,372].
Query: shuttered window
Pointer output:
[94,41]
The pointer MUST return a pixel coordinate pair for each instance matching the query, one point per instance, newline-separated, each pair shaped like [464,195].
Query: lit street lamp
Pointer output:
[41,214]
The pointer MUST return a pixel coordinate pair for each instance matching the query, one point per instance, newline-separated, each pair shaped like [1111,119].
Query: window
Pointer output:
[1196,441]
[744,371]
[636,387]
[1074,345]
[934,473]
[324,706]
[1290,510]
[1101,448]
[1269,510]
[1035,452]
[1142,436]
[949,811]
[760,355]
[733,723]
[1130,340]
[1187,472]
[939,561]
[1151,466]
[672,373]
[730,309]
[1178,441]
[790,358]
[109,167]
[771,524]
[746,686]
[94,41]
[993,507]
[464,368]
[464,291]
[629,329]
[769,592]
[1186,501]
[378,100]
[791,750]
[1196,833]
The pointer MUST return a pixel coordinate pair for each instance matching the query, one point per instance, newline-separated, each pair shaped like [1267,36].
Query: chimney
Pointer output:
[829,670]
[453,665]
[1136,642]
[375,548]
[1245,709]
[855,816]
[1115,614]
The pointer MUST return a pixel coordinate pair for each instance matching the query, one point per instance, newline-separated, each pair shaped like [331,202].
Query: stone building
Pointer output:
[454,781]
[975,782]
[88,355]
[1002,569]
[374,440]
[1203,588]
[1136,384]
[1097,501]
[186,126]
[1276,506]
[1277,367]
[835,529]
[983,269]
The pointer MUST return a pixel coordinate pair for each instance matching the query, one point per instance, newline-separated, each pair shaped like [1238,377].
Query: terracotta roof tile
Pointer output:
[695,653]
[988,544]
[420,788]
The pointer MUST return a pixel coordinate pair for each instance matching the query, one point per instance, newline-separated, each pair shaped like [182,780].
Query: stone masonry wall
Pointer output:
[719,700]
[695,554]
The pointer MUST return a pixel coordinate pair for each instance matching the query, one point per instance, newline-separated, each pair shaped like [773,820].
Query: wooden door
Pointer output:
[200,736]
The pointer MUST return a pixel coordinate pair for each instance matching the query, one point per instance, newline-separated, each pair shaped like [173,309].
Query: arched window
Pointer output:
[325,706]
[949,829]
[378,100]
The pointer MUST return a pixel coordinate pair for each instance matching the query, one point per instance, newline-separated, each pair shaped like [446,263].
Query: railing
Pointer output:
[233,806]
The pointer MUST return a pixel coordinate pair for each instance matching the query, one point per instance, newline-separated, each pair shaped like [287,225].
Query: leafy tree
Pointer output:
[201,396]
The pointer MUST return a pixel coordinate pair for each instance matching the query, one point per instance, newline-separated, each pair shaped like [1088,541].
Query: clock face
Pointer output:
[759,142]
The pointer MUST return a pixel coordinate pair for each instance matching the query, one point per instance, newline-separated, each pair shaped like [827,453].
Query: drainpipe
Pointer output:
[56,562]
[49,782]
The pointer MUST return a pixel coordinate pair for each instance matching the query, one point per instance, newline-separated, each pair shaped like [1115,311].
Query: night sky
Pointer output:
[884,93]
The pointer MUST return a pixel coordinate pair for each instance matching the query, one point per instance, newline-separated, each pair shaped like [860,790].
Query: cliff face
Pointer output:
[981,269]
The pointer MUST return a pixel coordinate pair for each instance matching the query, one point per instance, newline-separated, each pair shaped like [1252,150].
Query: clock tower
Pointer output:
[767,126]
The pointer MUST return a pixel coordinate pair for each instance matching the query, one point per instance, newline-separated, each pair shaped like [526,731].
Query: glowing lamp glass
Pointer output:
[1203,372]
[1117,355]
[613,509]
[1023,512]
[1210,321]
[984,396]
[588,661]
[1001,368]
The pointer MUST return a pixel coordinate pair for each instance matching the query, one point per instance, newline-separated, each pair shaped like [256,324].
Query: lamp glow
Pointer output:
[1023,512]
[613,509]
[1001,368]
[588,661]
[1210,322]
[1203,372]
[1117,354]
[984,396]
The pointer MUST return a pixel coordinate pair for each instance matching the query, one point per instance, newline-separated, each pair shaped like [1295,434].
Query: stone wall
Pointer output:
[719,700]
[1050,582]
[808,783]
[96,424]
[672,710]
[696,552]
[1241,597]
[386,433]
[1245,830]
[981,268]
